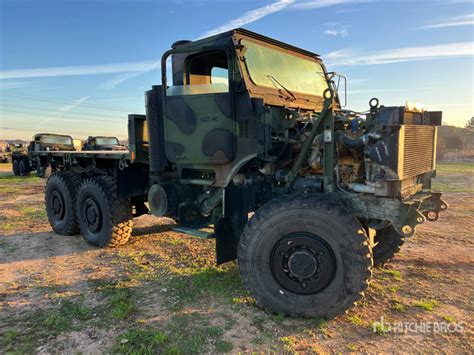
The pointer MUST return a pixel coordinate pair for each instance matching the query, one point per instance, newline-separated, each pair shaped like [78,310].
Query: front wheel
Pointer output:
[16,167]
[303,256]
[105,219]
[23,167]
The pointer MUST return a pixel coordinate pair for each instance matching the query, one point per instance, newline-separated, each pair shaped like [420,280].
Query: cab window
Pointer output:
[203,73]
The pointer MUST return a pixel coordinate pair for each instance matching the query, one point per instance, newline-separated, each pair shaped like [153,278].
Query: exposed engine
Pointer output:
[386,151]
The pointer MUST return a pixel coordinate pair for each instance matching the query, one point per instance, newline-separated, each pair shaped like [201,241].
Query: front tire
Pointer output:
[303,256]
[105,219]
[60,200]
[16,167]
[23,167]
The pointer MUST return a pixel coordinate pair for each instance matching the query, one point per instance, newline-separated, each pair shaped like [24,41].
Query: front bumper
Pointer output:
[404,214]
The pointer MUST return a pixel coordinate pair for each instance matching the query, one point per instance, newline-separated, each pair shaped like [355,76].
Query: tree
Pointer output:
[470,125]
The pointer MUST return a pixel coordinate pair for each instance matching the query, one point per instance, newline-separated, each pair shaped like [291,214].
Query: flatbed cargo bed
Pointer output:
[103,154]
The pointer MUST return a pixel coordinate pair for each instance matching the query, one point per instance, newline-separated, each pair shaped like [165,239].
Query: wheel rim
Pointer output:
[303,263]
[57,205]
[92,215]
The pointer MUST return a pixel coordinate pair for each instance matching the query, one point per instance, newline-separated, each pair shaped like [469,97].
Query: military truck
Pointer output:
[248,136]
[4,155]
[103,143]
[26,160]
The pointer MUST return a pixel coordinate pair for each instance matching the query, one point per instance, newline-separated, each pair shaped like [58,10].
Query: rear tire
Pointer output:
[303,256]
[387,243]
[105,219]
[16,167]
[60,200]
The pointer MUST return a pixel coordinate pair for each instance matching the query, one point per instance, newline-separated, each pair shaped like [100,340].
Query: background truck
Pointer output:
[248,137]
[26,160]
[103,143]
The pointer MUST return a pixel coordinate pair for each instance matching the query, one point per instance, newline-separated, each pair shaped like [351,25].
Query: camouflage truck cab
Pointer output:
[247,136]
[102,143]
[26,161]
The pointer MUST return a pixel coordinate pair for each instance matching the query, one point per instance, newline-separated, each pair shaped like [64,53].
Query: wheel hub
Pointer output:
[92,215]
[303,263]
[57,204]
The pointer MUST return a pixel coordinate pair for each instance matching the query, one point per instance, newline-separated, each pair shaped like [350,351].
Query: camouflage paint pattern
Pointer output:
[223,131]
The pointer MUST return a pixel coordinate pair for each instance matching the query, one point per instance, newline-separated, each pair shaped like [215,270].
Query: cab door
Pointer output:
[198,114]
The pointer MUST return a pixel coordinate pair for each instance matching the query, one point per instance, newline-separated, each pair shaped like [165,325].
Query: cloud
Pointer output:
[448,50]
[342,32]
[317,4]
[336,29]
[6,85]
[119,79]
[250,16]
[365,91]
[467,20]
[73,105]
[341,54]
[112,68]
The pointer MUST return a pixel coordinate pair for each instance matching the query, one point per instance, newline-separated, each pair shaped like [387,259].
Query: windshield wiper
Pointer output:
[281,85]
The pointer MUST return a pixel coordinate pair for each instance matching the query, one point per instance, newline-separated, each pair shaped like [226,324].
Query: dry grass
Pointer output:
[163,292]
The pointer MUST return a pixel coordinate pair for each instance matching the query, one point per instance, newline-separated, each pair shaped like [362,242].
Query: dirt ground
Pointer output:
[162,293]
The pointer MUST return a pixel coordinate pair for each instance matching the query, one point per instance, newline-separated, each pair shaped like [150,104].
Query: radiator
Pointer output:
[416,150]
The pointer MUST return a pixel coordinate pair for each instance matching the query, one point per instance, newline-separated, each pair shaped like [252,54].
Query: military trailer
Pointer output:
[248,136]
[103,143]
[26,160]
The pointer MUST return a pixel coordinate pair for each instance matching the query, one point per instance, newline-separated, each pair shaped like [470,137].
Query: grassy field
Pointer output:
[162,293]
[451,177]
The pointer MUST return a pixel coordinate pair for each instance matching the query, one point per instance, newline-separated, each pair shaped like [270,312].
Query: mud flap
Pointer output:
[226,241]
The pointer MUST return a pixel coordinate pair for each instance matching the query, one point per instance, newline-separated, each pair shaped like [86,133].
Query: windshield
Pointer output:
[51,139]
[281,70]
[107,141]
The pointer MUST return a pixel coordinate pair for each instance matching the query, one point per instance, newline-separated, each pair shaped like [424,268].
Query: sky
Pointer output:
[80,67]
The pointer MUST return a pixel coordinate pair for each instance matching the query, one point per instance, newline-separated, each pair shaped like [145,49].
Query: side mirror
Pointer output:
[338,81]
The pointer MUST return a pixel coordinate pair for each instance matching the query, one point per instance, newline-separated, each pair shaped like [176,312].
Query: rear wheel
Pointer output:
[16,167]
[303,256]
[105,219]
[387,243]
[60,200]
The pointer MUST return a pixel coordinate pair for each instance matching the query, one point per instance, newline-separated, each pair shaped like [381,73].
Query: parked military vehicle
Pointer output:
[103,143]
[25,160]
[4,155]
[250,126]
